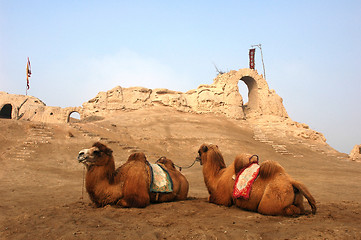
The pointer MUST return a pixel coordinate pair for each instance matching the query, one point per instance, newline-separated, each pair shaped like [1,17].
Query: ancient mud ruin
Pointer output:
[264,110]
[220,97]
[355,154]
[33,109]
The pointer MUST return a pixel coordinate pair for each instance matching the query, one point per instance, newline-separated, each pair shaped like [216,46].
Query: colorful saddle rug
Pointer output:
[161,180]
[244,181]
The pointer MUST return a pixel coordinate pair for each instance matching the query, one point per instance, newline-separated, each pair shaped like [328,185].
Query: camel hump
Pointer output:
[302,188]
[269,168]
[244,160]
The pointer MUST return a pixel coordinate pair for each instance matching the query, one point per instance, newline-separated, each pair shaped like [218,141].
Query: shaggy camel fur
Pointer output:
[180,184]
[274,192]
[129,185]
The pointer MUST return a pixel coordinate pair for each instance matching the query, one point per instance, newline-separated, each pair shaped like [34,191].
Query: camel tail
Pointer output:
[302,188]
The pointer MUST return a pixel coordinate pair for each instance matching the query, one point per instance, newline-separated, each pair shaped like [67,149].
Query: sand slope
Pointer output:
[41,181]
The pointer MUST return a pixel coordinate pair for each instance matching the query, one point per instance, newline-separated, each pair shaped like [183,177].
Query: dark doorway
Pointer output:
[6,111]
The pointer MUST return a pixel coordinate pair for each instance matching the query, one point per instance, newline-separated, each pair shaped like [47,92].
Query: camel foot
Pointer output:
[292,211]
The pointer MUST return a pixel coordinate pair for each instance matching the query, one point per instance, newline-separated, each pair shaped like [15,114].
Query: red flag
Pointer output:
[28,74]
[251,58]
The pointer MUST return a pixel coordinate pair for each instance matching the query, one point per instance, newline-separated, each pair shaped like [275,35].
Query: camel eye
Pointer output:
[96,152]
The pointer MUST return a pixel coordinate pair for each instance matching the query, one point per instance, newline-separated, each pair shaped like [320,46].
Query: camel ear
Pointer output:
[204,148]
[108,152]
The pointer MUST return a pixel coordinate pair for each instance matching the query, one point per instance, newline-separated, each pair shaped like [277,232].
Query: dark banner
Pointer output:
[252,52]
[28,74]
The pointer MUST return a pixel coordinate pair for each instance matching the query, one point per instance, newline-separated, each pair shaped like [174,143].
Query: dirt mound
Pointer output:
[191,219]
[42,182]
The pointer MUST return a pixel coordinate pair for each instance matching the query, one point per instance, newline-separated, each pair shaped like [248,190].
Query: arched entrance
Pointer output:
[243,90]
[73,117]
[248,89]
[6,111]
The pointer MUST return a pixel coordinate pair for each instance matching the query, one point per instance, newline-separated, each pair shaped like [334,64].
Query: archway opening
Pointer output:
[74,117]
[5,111]
[243,90]
[248,89]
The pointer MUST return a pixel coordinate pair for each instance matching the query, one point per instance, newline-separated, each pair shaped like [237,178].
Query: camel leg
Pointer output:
[296,208]
[278,200]
[123,203]
[292,210]
[299,202]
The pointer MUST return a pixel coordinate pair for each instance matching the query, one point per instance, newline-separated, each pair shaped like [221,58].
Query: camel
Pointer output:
[129,185]
[274,192]
[180,183]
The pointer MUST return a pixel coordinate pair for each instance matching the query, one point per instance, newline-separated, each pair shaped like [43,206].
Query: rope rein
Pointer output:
[197,160]
[82,188]
[180,167]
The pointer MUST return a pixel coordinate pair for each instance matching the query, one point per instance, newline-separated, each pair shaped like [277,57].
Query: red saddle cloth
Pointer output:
[244,181]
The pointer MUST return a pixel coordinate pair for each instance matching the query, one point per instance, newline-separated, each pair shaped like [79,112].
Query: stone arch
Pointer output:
[261,100]
[70,118]
[252,97]
[6,111]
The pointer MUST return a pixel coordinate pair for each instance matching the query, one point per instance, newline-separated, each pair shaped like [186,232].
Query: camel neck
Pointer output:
[100,173]
[212,170]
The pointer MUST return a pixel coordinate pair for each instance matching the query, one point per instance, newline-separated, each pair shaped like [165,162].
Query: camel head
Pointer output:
[98,154]
[166,162]
[209,152]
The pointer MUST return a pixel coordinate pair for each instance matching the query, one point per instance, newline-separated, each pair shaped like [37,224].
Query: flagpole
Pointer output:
[264,70]
[28,74]
[27,70]
[27,77]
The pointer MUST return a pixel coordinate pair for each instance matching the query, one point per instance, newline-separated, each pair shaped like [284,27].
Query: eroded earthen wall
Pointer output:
[222,96]
[33,109]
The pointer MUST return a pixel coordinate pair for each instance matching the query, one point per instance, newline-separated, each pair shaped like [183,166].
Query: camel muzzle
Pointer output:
[198,159]
[82,156]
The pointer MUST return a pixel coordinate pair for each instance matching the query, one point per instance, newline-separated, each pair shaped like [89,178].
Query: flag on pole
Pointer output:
[28,74]
[251,58]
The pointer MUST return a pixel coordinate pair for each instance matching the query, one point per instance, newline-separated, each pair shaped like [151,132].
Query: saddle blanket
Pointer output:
[161,181]
[244,181]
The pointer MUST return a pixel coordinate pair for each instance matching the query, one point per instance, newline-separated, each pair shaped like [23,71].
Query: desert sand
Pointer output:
[42,194]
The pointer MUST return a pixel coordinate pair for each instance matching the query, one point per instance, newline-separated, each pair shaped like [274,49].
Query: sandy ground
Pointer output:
[42,196]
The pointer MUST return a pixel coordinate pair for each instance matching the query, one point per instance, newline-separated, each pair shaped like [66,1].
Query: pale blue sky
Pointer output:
[312,51]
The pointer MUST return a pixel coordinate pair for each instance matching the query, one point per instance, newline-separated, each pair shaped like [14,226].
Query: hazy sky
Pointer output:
[312,51]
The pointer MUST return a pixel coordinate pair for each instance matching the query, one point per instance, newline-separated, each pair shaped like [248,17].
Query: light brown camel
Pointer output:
[129,185]
[274,192]
[180,183]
